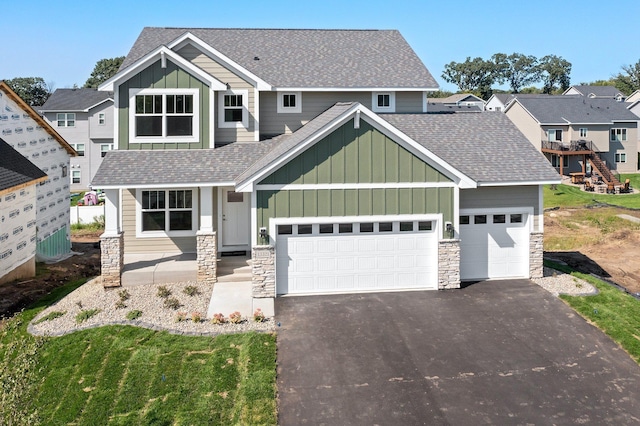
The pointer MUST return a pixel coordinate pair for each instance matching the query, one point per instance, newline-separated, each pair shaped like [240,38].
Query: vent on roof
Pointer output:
[255,58]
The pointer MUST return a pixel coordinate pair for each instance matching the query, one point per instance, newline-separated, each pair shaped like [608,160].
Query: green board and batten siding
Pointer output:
[350,155]
[156,77]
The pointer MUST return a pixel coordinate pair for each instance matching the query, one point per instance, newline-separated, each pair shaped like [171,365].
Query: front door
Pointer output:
[235,219]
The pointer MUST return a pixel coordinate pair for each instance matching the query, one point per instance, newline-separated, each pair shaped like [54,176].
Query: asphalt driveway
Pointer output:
[502,352]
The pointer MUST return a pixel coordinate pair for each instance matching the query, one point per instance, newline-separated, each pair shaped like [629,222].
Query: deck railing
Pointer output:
[579,145]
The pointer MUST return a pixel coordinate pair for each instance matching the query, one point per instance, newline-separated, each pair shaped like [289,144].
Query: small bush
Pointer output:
[50,316]
[218,319]
[163,292]
[134,314]
[258,315]
[120,304]
[86,314]
[191,290]
[124,295]
[196,316]
[235,317]
[181,316]
[172,303]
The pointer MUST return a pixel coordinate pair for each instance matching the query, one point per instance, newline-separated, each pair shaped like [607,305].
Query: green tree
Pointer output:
[555,73]
[440,94]
[517,70]
[473,75]
[32,90]
[104,70]
[629,81]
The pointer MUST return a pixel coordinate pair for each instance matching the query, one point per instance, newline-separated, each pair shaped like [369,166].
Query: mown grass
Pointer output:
[573,196]
[123,375]
[613,311]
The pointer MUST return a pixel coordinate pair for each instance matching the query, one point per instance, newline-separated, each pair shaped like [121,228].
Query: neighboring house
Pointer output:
[634,97]
[500,101]
[608,92]
[313,151]
[84,117]
[18,180]
[439,107]
[634,107]
[460,99]
[26,132]
[574,132]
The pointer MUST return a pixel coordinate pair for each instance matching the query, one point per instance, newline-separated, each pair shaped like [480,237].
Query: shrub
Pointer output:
[172,303]
[163,292]
[196,316]
[134,314]
[191,290]
[258,315]
[235,317]
[218,319]
[120,304]
[124,295]
[181,316]
[85,314]
[50,316]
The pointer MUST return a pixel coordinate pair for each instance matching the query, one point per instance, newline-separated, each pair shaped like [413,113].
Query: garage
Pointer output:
[494,245]
[356,256]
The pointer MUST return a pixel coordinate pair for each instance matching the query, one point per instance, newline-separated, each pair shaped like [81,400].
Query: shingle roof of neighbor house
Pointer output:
[576,109]
[599,91]
[70,100]
[15,170]
[307,58]
[456,98]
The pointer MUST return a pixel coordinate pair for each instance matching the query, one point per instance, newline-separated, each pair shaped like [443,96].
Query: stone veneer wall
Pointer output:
[448,264]
[536,254]
[263,265]
[207,257]
[112,259]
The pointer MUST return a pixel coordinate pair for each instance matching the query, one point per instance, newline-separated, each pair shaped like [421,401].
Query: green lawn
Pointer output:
[123,375]
[572,196]
[613,311]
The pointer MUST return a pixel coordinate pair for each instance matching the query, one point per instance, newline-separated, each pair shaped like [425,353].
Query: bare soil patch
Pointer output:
[596,241]
[17,295]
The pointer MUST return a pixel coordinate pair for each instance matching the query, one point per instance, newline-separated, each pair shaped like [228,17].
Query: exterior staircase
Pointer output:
[609,178]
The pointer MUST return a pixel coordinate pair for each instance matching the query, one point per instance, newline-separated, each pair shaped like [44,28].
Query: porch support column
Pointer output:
[206,243]
[112,241]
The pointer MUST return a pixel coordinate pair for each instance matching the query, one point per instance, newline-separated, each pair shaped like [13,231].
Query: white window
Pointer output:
[289,102]
[79,147]
[104,148]
[163,212]
[619,135]
[583,132]
[621,157]
[75,176]
[66,119]
[101,119]
[233,110]
[554,135]
[164,115]
[383,101]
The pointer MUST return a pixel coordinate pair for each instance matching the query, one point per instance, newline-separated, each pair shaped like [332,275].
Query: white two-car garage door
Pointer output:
[338,257]
[494,245]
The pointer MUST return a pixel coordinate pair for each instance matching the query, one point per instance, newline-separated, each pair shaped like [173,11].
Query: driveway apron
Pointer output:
[501,352]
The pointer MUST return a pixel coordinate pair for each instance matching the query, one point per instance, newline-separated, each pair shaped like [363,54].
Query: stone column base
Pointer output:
[112,259]
[207,257]
[536,255]
[263,265]
[448,264]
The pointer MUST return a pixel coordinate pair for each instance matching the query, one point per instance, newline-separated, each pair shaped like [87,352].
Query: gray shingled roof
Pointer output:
[15,169]
[165,167]
[439,107]
[456,98]
[599,91]
[74,99]
[576,109]
[307,58]
[487,146]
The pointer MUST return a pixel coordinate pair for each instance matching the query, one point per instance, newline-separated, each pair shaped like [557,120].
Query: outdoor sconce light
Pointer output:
[448,226]
[263,233]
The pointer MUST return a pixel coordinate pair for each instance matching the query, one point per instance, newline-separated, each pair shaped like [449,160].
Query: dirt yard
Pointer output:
[596,241]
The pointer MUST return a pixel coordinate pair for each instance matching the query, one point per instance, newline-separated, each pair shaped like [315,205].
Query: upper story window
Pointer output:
[66,119]
[583,132]
[101,119]
[383,101]
[619,135]
[161,115]
[104,148]
[79,147]
[233,109]
[554,135]
[289,102]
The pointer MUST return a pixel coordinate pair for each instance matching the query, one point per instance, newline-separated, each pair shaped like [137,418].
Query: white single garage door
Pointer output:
[494,245]
[314,258]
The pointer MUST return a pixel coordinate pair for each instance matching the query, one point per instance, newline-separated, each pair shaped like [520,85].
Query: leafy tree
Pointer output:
[104,70]
[629,81]
[32,90]
[555,73]
[516,69]
[440,94]
[473,75]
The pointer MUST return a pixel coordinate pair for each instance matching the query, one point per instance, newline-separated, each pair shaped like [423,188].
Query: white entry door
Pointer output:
[236,214]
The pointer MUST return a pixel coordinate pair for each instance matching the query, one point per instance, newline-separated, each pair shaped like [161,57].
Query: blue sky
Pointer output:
[62,41]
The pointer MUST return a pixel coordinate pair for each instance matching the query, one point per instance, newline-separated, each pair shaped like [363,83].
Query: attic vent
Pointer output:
[255,58]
